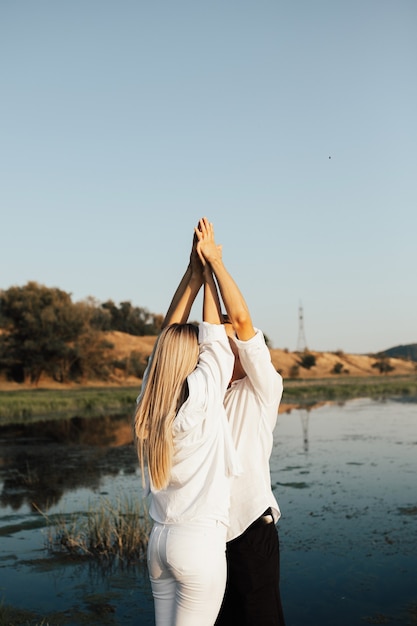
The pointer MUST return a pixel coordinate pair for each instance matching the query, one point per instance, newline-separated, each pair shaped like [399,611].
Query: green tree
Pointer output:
[39,324]
[44,332]
[127,319]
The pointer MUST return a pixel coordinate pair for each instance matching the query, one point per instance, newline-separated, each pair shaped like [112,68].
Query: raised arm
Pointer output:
[187,290]
[232,297]
[211,302]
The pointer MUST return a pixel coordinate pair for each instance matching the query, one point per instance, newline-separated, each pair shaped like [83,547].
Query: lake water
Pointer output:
[344,476]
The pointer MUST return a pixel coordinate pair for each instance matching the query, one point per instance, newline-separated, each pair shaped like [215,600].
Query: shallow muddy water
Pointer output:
[344,476]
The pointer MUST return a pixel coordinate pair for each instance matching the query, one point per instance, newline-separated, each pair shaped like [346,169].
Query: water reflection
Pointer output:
[40,462]
[344,477]
[304,416]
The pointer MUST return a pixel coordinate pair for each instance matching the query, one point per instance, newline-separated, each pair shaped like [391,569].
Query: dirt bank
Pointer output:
[287,363]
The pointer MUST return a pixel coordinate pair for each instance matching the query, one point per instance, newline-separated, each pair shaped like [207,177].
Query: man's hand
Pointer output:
[207,248]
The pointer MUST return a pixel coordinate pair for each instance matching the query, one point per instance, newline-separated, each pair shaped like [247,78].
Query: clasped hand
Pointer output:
[207,249]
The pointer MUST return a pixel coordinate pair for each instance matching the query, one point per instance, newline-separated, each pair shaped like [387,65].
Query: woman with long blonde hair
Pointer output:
[185,447]
[174,358]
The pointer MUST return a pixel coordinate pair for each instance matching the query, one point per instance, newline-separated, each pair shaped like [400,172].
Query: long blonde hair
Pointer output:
[174,357]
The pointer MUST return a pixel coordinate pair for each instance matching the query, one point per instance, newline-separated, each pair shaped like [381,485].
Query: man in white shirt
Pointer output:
[252,595]
[252,592]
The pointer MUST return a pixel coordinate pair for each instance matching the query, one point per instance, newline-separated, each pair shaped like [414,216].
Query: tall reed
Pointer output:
[112,531]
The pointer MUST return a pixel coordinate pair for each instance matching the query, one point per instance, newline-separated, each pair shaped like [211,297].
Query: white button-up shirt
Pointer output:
[252,409]
[204,456]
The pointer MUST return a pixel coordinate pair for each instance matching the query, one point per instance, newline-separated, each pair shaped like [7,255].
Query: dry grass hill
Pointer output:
[287,363]
[350,364]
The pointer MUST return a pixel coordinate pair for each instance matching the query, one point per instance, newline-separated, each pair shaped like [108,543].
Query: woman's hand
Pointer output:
[196,265]
[207,249]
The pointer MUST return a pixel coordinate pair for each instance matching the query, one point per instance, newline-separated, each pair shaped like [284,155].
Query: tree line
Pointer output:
[43,332]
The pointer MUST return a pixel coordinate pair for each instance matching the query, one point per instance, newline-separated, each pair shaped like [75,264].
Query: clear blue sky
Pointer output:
[124,121]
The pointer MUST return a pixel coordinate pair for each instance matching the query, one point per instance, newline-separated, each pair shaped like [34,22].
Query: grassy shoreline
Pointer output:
[322,390]
[25,405]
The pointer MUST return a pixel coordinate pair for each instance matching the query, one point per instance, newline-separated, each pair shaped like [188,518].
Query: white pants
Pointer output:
[187,569]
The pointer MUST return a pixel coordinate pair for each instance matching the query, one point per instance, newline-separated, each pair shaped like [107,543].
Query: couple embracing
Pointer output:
[203,429]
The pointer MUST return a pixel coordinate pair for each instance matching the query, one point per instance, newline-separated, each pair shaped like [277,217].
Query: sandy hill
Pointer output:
[285,362]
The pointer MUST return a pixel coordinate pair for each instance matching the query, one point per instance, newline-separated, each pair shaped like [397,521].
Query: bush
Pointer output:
[137,364]
[383,365]
[337,368]
[308,360]
[294,371]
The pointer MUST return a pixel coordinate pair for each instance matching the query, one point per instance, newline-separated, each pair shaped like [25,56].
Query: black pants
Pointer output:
[252,596]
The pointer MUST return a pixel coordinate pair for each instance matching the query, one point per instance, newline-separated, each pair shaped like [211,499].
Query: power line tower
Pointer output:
[301,343]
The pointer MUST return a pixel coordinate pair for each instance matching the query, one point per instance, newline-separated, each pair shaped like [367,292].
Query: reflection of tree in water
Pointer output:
[39,462]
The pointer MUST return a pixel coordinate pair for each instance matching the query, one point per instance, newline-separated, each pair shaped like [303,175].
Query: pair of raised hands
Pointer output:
[205,250]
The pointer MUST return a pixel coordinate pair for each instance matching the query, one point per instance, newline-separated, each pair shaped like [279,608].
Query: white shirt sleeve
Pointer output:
[256,361]
[216,358]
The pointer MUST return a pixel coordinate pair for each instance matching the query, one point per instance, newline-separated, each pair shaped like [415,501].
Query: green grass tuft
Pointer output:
[114,531]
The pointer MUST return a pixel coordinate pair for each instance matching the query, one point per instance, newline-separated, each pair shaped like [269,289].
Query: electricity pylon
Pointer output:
[301,343]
